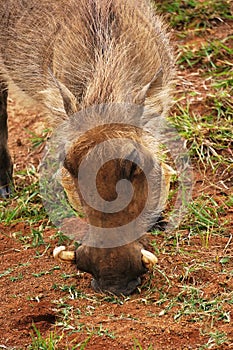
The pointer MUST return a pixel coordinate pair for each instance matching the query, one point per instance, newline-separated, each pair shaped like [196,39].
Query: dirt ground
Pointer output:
[37,290]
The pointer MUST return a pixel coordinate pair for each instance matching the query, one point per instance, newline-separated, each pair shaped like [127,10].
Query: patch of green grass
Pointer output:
[12,269]
[224,79]
[25,204]
[82,346]
[54,341]
[49,272]
[195,306]
[203,219]
[73,292]
[16,278]
[34,238]
[113,299]
[206,135]
[101,331]
[91,330]
[212,56]
[70,320]
[215,339]
[191,301]
[183,14]
[61,238]
[40,343]
[6,272]
[229,201]
[222,111]
[138,346]
[67,276]
[38,140]
[37,236]
[67,313]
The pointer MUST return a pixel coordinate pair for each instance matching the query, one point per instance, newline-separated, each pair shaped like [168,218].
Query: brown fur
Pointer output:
[68,55]
[102,51]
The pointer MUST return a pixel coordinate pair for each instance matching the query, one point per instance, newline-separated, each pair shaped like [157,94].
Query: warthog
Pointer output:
[68,56]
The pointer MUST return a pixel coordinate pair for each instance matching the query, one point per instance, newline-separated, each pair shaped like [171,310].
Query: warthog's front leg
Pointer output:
[6,167]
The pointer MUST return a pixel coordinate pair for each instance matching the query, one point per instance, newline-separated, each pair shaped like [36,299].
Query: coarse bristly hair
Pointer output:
[68,55]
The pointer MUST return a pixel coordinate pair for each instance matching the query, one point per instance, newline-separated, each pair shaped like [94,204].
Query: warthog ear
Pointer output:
[69,99]
[154,85]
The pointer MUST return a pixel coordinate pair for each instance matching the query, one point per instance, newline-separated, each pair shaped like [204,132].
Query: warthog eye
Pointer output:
[135,163]
[128,169]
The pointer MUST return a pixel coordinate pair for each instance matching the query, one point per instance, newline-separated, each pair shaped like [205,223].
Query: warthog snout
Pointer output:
[114,270]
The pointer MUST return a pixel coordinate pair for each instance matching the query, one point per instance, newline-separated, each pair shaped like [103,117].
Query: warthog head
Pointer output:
[111,250]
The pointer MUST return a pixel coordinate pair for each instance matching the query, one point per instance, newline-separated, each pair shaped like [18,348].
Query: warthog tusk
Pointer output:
[60,253]
[148,259]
